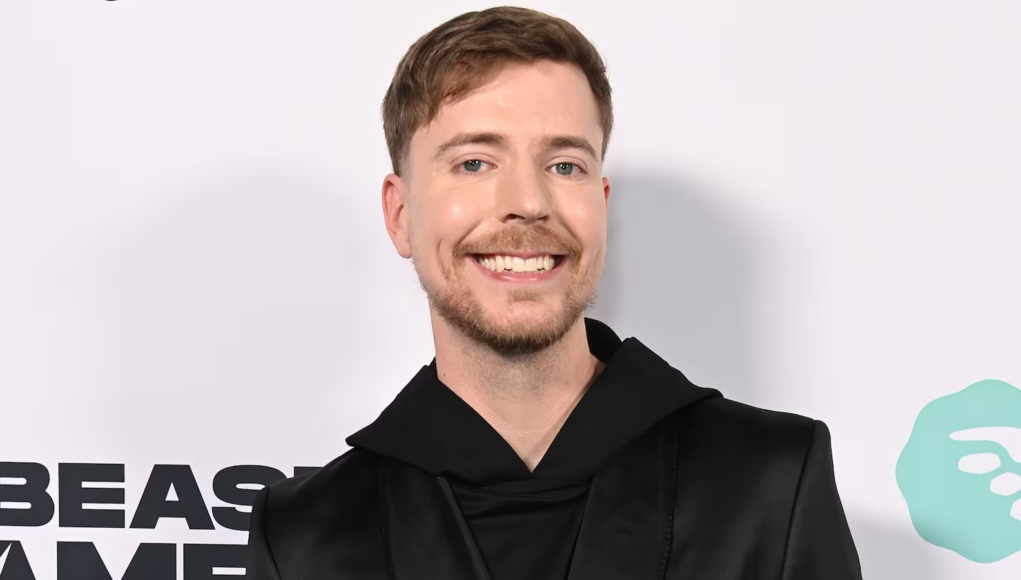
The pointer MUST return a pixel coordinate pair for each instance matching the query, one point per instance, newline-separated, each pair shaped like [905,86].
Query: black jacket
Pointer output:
[709,489]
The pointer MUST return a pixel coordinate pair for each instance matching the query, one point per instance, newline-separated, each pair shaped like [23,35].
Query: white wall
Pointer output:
[814,210]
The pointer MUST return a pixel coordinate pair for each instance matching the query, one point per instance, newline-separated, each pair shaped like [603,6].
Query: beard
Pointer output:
[458,305]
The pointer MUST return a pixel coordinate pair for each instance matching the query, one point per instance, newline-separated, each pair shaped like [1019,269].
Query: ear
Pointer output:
[606,192]
[396,219]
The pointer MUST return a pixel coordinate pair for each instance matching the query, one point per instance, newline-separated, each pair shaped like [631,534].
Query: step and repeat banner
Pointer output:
[814,210]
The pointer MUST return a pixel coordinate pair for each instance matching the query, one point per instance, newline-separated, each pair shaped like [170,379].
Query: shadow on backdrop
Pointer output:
[678,277]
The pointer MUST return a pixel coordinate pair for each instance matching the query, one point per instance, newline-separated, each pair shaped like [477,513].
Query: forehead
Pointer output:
[525,102]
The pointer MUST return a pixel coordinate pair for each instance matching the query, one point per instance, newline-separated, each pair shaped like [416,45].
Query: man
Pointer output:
[537,445]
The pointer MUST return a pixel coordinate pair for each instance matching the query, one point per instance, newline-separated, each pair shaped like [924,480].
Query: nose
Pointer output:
[522,196]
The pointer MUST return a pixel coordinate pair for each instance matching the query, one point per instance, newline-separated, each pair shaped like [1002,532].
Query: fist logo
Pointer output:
[960,472]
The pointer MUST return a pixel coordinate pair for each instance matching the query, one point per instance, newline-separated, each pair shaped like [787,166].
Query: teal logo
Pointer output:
[960,472]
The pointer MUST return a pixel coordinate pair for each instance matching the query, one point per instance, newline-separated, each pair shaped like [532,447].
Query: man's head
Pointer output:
[497,123]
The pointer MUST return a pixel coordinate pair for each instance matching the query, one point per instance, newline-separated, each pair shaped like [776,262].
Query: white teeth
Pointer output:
[516,264]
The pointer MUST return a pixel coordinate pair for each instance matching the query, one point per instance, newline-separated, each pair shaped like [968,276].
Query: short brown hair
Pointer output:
[466,52]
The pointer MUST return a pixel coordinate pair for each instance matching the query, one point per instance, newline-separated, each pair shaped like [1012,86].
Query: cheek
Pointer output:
[460,213]
[449,215]
[585,216]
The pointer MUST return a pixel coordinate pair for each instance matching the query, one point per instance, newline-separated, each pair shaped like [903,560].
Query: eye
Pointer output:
[567,169]
[472,165]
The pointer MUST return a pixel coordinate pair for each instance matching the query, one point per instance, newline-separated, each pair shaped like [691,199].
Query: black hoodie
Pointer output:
[650,477]
[525,522]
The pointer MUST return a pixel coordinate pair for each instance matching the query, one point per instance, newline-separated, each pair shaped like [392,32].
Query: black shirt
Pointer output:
[525,523]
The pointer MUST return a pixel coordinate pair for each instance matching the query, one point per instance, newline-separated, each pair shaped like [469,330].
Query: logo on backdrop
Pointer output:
[960,472]
[13,563]
[92,496]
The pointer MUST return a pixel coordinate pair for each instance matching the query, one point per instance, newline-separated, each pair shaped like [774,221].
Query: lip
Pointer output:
[520,277]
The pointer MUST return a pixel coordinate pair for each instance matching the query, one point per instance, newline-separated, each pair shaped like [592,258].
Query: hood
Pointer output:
[431,428]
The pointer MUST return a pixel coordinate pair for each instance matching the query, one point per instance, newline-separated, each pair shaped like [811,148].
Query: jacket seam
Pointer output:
[794,504]
[669,540]
[265,533]
[384,517]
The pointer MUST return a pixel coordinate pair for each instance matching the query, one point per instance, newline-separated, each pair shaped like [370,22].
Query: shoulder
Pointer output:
[316,502]
[748,442]
[744,477]
[328,519]
[354,470]
[737,426]
[742,463]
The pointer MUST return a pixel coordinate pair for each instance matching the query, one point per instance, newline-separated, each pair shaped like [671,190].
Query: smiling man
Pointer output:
[538,445]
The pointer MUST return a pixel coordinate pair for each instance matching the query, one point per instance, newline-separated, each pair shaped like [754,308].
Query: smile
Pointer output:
[519,267]
[497,263]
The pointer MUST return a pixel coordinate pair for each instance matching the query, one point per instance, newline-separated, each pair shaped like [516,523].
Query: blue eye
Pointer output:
[565,169]
[472,165]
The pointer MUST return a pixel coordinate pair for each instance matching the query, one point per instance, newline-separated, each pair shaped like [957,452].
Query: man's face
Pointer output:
[505,207]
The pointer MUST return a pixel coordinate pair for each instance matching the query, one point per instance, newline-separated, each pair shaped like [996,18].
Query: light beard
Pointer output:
[459,306]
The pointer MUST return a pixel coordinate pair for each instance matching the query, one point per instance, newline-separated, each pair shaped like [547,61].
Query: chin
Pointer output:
[524,315]
[511,324]
[522,328]
[514,330]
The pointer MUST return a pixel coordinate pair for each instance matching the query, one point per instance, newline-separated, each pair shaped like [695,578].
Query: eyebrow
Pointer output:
[501,141]
[569,142]
[473,138]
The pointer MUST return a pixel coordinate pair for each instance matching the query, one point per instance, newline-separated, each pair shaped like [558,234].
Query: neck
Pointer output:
[526,399]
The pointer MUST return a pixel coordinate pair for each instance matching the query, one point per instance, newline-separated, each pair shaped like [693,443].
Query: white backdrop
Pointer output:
[814,209]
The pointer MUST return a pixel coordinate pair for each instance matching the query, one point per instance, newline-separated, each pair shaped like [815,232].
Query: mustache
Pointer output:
[538,238]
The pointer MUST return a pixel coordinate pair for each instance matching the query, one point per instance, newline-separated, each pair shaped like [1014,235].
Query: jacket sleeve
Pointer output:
[259,562]
[819,543]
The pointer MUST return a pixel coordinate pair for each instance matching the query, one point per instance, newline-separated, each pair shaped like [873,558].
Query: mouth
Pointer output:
[520,267]
[519,263]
